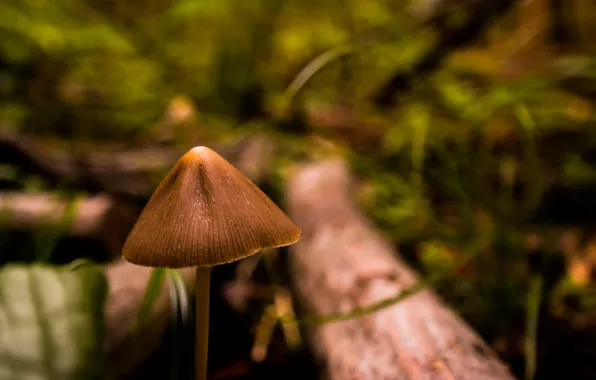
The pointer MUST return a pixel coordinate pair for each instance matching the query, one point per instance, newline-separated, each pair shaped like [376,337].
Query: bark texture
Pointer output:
[131,171]
[100,217]
[342,263]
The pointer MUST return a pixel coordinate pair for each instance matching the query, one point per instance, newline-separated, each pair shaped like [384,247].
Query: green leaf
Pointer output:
[51,322]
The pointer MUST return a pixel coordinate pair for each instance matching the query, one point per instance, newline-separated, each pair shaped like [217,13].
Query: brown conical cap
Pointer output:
[204,213]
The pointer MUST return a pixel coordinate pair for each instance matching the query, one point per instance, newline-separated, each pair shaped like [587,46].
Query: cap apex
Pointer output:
[199,151]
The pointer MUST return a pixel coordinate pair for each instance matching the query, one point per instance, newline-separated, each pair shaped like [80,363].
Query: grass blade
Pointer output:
[533,307]
[152,290]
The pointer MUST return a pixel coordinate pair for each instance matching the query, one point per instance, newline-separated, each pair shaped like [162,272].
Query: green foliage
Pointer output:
[459,167]
[85,71]
[51,323]
[106,93]
[107,70]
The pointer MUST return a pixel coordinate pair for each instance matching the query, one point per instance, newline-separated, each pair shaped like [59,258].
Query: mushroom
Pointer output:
[205,213]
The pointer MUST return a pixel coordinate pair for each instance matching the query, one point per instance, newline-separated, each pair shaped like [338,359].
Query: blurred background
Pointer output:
[462,120]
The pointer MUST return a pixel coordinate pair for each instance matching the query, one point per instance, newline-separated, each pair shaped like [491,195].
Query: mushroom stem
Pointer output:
[202,289]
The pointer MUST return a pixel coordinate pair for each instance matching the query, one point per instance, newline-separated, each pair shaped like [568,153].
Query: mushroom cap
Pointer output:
[204,213]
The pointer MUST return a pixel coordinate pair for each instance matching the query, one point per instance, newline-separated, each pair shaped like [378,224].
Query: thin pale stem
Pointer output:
[202,288]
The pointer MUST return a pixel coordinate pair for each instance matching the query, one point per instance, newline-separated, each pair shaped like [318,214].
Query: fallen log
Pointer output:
[342,263]
[106,217]
[130,171]
[100,217]
[125,345]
